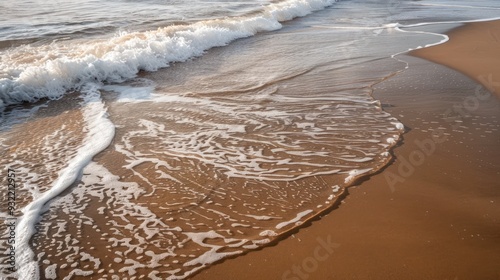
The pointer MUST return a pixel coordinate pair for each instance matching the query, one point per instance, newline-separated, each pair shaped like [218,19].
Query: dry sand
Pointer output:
[440,216]
[477,56]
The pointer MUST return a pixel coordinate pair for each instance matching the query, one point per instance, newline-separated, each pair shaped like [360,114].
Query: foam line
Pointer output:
[100,134]
[458,6]
[447,22]
[400,28]
[294,220]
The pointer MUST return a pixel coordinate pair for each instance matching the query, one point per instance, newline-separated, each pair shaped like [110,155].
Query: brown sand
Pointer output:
[439,219]
[478,56]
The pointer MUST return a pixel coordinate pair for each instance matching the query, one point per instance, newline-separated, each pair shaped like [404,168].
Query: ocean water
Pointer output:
[150,139]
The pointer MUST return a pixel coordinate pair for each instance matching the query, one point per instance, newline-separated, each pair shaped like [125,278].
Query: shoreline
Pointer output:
[438,220]
[469,55]
[229,165]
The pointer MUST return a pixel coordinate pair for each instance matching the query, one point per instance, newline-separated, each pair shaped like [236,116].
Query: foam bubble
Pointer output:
[50,271]
[294,220]
[356,173]
[268,233]
[261,218]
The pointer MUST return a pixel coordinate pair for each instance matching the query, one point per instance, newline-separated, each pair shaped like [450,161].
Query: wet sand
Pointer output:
[433,213]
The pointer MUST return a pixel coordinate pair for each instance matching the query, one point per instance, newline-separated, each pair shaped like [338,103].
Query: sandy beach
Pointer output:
[431,214]
[289,139]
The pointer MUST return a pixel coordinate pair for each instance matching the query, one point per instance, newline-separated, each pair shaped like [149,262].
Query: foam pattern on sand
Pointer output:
[167,250]
[199,178]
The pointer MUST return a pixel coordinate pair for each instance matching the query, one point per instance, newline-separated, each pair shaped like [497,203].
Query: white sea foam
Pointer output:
[261,218]
[131,94]
[268,233]
[356,173]
[50,271]
[52,70]
[294,220]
